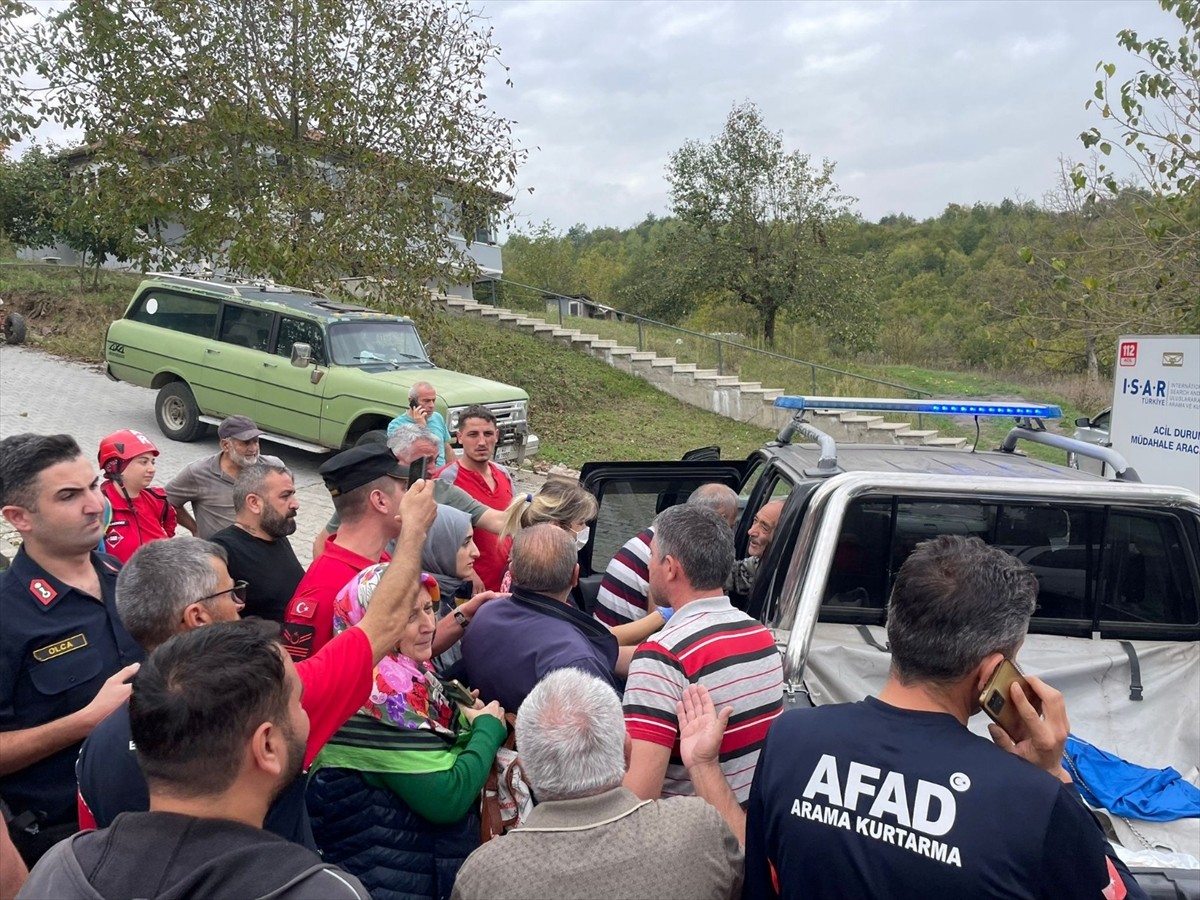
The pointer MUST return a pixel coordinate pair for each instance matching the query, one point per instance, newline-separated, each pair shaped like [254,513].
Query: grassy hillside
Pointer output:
[581,408]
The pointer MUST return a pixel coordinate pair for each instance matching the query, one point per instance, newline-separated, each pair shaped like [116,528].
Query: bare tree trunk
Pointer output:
[1093,362]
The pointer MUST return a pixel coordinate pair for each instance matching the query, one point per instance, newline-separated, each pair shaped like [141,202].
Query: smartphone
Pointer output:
[416,469]
[456,692]
[996,698]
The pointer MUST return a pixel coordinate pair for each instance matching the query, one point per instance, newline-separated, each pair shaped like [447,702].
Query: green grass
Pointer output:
[581,408]
[798,378]
[63,317]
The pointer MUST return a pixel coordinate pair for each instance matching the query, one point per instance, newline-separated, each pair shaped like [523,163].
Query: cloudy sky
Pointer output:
[919,102]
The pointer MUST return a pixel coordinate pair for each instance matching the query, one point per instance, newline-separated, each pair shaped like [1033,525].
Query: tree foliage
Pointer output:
[1153,118]
[299,139]
[759,217]
[28,188]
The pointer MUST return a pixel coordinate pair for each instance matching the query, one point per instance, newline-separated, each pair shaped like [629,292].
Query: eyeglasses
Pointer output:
[237,593]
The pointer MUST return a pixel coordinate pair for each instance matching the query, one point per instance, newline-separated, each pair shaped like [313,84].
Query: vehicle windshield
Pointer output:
[370,342]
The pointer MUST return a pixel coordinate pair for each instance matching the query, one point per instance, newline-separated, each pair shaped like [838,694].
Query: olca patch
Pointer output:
[58,648]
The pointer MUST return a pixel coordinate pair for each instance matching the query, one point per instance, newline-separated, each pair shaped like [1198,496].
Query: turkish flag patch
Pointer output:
[43,591]
[305,609]
[297,640]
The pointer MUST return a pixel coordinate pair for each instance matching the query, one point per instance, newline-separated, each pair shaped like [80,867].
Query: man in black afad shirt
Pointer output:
[264,501]
[894,798]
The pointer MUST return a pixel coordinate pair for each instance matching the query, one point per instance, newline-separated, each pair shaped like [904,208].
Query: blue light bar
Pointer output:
[1009,409]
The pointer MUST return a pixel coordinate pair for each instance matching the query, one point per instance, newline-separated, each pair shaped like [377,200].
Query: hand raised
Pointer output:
[417,506]
[700,727]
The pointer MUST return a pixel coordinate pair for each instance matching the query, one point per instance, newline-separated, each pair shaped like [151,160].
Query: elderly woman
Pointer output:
[394,795]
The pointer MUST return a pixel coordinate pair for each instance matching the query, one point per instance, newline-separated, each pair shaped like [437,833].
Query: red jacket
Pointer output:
[150,518]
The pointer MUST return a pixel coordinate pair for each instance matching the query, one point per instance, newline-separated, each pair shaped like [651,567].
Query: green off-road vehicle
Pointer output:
[311,372]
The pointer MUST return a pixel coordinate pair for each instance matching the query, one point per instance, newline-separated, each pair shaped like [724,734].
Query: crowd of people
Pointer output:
[185,716]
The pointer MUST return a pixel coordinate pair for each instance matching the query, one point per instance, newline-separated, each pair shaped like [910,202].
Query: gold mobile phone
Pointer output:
[996,698]
[456,692]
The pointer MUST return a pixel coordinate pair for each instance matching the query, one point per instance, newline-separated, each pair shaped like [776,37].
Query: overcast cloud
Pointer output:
[920,104]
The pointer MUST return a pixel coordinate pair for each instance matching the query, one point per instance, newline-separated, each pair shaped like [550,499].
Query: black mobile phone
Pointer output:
[417,468]
[457,692]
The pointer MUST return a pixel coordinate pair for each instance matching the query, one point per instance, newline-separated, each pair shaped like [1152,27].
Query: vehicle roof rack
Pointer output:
[239,288]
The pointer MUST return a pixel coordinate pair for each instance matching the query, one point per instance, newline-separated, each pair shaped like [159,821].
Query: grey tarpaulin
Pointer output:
[1093,675]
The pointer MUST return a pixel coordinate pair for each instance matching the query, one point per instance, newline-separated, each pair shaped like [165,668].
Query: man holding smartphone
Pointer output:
[893,797]
[422,397]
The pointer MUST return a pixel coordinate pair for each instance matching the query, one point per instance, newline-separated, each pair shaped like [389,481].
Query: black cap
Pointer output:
[358,466]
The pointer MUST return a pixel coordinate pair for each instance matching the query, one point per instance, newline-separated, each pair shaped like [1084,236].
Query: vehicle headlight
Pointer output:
[452,417]
[520,411]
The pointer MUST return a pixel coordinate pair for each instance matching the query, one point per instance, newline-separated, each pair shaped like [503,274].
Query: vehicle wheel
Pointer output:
[177,413]
[378,436]
[14,328]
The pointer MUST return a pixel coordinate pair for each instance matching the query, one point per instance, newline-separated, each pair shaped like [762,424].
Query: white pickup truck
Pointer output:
[1117,628]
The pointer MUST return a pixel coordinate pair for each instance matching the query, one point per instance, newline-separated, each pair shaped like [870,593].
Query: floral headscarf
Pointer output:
[405,693]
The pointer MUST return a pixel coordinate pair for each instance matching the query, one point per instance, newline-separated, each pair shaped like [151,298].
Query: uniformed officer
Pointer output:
[65,657]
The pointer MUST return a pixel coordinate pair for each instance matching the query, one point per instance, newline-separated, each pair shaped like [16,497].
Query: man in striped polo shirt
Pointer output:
[708,642]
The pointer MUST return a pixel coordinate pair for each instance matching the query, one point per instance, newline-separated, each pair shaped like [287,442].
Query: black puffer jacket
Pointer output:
[371,833]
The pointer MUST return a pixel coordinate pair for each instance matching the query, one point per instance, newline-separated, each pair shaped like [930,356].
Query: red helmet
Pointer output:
[120,447]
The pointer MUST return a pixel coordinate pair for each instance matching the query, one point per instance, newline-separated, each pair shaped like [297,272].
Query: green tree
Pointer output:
[28,187]
[305,140]
[18,51]
[758,216]
[1153,118]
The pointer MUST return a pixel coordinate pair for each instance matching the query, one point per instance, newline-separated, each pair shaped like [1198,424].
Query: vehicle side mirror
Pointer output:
[301,355]
[1083,422]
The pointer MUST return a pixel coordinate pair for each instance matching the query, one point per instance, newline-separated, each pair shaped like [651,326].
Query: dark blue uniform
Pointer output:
[869,800]
[57,647]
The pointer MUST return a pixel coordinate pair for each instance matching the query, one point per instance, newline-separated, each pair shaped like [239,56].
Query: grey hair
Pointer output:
[699,540]
[253,480]
[955,601]
[720,498]
[416,389]
[405,437]
[542,558]
[161,580]
[571,732]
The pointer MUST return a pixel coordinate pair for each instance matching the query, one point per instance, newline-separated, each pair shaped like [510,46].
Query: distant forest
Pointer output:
[1008,287]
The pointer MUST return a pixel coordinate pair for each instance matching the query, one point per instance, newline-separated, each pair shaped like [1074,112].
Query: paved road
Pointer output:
[49,395]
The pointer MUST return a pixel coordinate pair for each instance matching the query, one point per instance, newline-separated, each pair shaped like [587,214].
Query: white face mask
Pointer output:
[581,539]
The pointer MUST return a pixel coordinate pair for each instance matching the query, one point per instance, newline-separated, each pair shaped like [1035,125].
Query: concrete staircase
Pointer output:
[725,395]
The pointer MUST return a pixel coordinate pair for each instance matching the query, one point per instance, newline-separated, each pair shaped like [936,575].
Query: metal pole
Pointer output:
[813,369]
[640,341]
[720,364]
[560,312]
